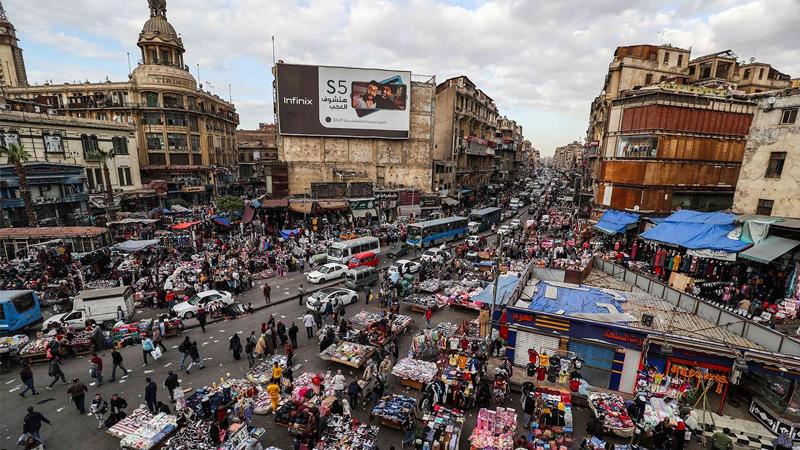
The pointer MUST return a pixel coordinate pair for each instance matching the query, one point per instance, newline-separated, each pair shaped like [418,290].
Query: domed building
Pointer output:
[185,135]
[12,65]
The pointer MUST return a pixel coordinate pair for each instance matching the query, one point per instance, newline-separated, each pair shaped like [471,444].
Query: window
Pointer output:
[151,99]
[692,70]
[124,174]
[648,79]
[155,141]
[177,142]
[120,144]
[761,73]
[746,75]
[94,178]
[24,302]
[666,57]
[157,159]
[775,165]
[173,101]
[680,60]
[8,138]
[151,118]
[53,142]
[789,116]
[193,123]
[176,120]
[89,144]
[177,159]
[196,143]
[764,207]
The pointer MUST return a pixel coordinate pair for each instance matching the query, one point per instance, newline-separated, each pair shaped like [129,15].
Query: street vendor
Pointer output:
[274,392]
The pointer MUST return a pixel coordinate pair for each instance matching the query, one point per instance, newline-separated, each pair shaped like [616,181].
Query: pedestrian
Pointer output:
[328,310]
[194,353]
[201,317]
[269,339]
[679,436]
[56,372]
[184,349]
[235,345]
[385,369]
[721,440]
[274,392]
[249,350]
[151,395]
[32,423]
[289,354]
[26,375]
[293,329]
[96,368]
[120,314]
[99,408]
[395,349]
[428,315]
[147,349]
[308,322]
[301,292]
[302,265]
[158,335]
[277,372]
[353,392]
[338,383]
[408,429]
[118,406]
[367,294]
[317,317]
[116,361]
[267,290]
[171,383]
[77,391]
[281,329]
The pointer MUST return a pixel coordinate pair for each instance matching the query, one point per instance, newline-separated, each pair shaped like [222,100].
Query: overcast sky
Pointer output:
[543,62]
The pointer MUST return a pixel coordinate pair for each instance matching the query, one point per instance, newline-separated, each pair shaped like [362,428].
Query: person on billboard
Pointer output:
[400,98]
[367,100]
[386,99]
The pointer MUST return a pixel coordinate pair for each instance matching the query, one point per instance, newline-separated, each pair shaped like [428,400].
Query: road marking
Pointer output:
[221,331]
[216,342]
[15,389]
[122,381]
[167,364]
[149,371]
[10,381]
[174,346]
[287,293]
[60,409]
[92,383]
[204,344]
[207,359]
[283,317]
[239,332]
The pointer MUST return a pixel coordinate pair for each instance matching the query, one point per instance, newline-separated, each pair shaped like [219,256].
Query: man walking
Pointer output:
[32,423]
[96,368]
[78,393]
[308,321]
[249,349]
[267,290]
[150,395]
[55,372]
[194,353]
[293,334]
[201,317]
[26,375]
[184,349]
[171,383]
[116,361]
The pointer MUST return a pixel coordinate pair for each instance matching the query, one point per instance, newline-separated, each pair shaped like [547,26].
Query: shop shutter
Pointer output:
[526,341]
[593,355]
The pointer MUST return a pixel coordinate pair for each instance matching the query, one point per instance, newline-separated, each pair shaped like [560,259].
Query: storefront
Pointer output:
[386,201]
[363,209]
[774,399]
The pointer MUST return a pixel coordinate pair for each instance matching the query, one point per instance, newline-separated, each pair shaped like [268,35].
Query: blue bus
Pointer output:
[432,232]
[485,218]
[19,310]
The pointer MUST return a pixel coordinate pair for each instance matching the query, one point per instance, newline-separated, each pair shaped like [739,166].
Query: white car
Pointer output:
[503,230]
[327,272]
[473,240]
[515,224]
[188,309]
[74,319]
[436,255]
[408,266]
[318,300]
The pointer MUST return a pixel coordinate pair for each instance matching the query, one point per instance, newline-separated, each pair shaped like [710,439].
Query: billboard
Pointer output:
[342,101]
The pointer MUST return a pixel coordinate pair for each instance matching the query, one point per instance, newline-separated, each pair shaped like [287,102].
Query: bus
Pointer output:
[341,252]
[485,218]
[432,232]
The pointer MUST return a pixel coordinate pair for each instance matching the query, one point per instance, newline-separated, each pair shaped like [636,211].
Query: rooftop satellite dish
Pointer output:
[772,100]
[635,207]
[752,59]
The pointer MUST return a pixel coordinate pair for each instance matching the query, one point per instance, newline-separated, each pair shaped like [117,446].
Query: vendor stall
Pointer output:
[343,433]
[551,424]
[443,426]
[612,407]
[494,429]
[35,350]
[394,410]
[261,373]
[10,347]
[299,417]
[348,353]
[415,373]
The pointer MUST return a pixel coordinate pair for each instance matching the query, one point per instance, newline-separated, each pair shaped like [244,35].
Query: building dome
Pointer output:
[159,25]
[157,29]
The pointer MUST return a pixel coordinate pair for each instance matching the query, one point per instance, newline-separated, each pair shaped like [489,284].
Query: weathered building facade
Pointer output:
[260,171]
[184,134]
[383,162]
[464,142]
[508,150]
[769,181]
[676,147]
[12,63]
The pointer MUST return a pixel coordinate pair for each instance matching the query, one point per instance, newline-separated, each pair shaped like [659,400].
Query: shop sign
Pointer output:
[429,201]
[714,254]
[385,195]
[771,420]
[367,203]
[523,318]
[193,189]
[621,336]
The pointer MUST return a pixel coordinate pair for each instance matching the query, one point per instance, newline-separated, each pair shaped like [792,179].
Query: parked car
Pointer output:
[363,259]
[503,230]
[436,255]
[326,272]
[318,300]
[507,214]
[408,266]
[188,309]
[397,250]
[360,277]
[515,224]
[473,240]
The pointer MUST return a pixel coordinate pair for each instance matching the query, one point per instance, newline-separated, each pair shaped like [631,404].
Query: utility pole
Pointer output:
[496,283]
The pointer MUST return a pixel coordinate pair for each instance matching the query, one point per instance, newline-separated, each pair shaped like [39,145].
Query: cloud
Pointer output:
[543,60]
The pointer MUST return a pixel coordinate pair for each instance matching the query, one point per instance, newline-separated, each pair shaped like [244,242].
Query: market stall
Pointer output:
[551,423]
[394,410]
[141,430]
[300,418]
[10,347]
[494,429]
[612,408]
[344,433]
[348,353]
[415,373]
[444,425]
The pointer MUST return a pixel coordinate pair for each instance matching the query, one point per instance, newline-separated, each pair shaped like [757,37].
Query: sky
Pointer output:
[542,62]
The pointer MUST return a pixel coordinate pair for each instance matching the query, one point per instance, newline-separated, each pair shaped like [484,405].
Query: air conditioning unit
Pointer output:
[5,106]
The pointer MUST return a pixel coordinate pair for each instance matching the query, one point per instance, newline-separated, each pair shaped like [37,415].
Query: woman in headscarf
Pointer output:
[235,346]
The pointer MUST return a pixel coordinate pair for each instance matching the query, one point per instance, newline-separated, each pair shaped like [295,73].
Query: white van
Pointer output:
[341,252]
[99,305]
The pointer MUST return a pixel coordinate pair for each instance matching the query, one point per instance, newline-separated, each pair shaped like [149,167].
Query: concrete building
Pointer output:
[769,181]
[12,64]
[755,77]
[508,147]
[260,171]
[673,146]
[724,70]
[64,171]
[567,157]
[466,121]
[184,134]
[385,163]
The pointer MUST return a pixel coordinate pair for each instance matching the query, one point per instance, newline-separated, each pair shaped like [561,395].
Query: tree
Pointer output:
[229,203]
[103,156]
[18,155]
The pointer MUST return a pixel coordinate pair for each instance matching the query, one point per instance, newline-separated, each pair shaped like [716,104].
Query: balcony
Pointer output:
[164,62]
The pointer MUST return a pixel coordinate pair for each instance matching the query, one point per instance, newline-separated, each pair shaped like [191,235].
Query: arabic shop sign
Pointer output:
[364,203]
[386,195]
[773,421]
[621,336]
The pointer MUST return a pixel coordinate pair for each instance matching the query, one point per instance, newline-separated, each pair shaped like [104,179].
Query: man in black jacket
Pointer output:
[171,383]
[116,361]
[293,334]
[151,395]
[32,423]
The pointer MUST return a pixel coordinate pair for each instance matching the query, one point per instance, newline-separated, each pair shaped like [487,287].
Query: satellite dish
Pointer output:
[772,100]
[752,59]
[635,207]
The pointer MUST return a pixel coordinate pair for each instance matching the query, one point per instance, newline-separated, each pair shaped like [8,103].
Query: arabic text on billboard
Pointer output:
[341,101]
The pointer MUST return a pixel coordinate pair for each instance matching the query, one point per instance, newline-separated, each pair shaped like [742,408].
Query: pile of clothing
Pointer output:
[296,415]
[414,369]
[613,408]
[343,433]
[394,408]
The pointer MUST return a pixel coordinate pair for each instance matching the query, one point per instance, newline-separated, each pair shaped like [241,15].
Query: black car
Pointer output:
[397,251]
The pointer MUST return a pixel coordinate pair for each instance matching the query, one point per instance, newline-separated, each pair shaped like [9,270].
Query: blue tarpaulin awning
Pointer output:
[613,222]
[505,287]
[134,245]
[224,221]
[286,234]
[698,231]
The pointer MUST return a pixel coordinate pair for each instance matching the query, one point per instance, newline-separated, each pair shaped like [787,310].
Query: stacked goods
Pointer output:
[299,417]
[494,429]
[343,433]
[151,433]
[446,425]
[13,343]
[130,423]
[394,409]
[312,382]
[348,353]
[414,369]
[192,436]
[35,347]
[261,373]
[612,407]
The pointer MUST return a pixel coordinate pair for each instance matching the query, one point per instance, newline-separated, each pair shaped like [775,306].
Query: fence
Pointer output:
[766,337]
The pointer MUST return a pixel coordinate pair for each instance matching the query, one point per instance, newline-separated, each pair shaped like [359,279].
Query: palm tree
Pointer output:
[103,156]
[18,155]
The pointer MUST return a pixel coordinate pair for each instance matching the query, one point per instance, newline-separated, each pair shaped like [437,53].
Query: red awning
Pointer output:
[184,225]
